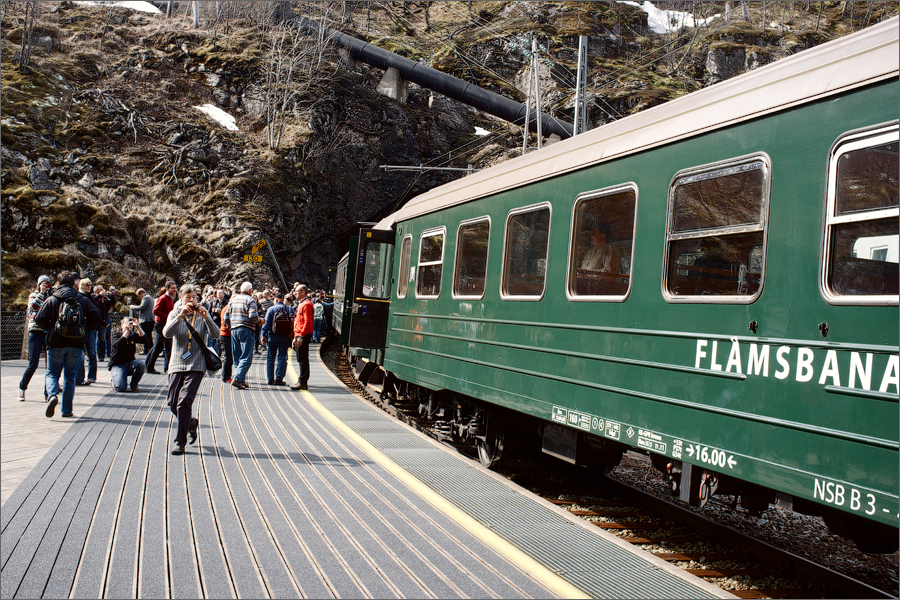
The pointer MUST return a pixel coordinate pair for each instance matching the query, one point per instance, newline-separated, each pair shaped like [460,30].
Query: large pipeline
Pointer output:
[448,85]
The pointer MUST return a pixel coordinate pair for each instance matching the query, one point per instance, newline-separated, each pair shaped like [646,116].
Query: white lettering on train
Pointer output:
[837,494]
[758,362]
[833,368]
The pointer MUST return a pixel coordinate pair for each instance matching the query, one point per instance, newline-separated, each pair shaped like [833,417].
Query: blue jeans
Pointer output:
[120,374]
[104,344]
[63,361]
[276,367]
[161,344]
[35,346]
[319,329]
[242,341]
[90,341]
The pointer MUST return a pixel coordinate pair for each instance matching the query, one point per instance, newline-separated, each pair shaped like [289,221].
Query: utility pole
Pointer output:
[534,83]
[581,87]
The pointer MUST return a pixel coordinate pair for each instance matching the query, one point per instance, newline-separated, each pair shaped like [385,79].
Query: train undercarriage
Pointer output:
[495,431]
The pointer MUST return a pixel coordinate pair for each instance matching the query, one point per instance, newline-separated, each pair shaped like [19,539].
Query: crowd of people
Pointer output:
[71,322]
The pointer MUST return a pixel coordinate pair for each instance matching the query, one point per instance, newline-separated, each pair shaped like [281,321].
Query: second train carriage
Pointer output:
[713,281]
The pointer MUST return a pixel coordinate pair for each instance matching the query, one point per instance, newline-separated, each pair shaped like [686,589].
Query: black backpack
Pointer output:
[282,323]
[70,320]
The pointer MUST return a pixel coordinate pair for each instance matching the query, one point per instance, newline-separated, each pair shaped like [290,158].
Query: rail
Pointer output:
[14,338]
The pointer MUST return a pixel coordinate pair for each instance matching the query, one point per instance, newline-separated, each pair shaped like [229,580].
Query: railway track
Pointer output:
[739,563]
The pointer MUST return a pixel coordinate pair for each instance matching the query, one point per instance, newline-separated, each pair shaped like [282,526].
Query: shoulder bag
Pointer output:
[213,362]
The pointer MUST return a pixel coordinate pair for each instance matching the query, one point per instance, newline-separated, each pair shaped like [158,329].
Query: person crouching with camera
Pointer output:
[122,363]
[187,364]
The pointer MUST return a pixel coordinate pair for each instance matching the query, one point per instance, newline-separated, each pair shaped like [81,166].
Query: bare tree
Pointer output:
[27,34]
[296,57]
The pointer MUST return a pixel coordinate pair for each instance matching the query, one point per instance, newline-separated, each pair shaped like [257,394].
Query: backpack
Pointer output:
[70,319]
[282,323]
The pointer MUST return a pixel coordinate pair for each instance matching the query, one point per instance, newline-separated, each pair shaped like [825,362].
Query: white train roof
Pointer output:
[851,61]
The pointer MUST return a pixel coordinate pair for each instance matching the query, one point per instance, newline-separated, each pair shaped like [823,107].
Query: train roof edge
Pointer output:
[858,59]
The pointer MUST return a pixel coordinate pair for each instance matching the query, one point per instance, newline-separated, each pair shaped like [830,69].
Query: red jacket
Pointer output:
[303,322]
[224,330]
[163,306]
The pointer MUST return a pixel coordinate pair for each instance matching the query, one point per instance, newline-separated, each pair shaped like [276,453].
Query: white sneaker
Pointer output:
[21,395]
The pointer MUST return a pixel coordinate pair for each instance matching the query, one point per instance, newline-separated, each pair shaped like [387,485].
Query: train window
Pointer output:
[602,244]
[471,258]
[403,275]
[431,264]
[377,269]
[341,280]
[715,243]
[862,234]
[525,253]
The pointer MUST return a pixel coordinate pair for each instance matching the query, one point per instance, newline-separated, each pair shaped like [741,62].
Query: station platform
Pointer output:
[285,494]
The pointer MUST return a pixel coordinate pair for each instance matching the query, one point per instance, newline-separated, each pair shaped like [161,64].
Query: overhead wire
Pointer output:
[615,74]
[638,64]
[637,61]
[487,25]
[474,144]
[465,57]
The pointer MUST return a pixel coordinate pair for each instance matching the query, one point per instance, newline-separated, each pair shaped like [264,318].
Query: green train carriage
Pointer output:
[743,327]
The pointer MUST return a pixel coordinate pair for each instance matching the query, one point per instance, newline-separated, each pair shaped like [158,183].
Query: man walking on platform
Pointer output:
[161,309]
[303,330]
[66,316]
[276,334]
[242,318]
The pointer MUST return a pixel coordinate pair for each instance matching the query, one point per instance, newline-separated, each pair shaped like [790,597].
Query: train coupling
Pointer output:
[691,484]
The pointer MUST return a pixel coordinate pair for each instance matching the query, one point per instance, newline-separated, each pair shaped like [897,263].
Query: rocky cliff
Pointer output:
[109,167]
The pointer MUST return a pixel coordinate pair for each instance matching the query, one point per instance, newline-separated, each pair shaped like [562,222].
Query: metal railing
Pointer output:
[13,341]
[14,338]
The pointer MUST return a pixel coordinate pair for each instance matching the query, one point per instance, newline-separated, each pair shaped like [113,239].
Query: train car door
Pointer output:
[343,298]
[372,289]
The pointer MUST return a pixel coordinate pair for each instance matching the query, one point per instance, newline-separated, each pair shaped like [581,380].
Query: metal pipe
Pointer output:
[448,85]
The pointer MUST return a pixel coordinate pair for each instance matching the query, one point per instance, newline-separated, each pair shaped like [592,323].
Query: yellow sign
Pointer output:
[259,244]
[252,258]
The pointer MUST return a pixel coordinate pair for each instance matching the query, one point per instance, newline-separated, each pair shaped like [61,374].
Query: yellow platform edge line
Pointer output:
[535,569]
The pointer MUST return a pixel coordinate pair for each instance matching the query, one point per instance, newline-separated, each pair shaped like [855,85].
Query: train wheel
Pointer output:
[490,448]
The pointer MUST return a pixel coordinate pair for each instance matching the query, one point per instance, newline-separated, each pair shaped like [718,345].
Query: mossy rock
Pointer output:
[42,260]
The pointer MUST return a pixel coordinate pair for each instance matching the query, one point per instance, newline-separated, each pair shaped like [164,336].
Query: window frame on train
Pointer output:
[340,287]
[851,141]
[541,206]
[442,231]
[403,276]
[733,166]
[457,271]
[578,228]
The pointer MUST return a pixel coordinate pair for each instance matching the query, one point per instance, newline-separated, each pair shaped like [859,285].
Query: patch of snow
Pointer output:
[137,6]
[219,115]
[480,131]
[669,21]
